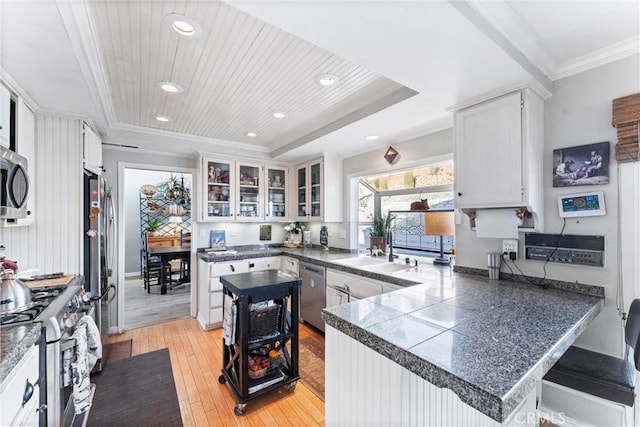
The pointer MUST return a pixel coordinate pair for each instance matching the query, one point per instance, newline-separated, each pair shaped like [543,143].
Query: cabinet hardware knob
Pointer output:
[459,194]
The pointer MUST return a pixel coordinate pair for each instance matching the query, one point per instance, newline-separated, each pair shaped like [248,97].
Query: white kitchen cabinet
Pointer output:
[277,195]
[218,198]
[290,266]
[12,411]
[265,263]
[210,310]
[314,182]
[91,150]
[357,287]
[26,147]
[498,152]
[249,192]
[235,190]
[5,116]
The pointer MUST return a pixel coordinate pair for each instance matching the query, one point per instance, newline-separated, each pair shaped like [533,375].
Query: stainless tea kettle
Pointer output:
[14,294]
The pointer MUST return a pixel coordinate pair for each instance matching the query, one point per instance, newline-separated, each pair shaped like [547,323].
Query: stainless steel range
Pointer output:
[57,309]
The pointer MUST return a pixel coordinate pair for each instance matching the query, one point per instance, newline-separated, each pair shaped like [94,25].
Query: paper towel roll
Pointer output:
[496,223]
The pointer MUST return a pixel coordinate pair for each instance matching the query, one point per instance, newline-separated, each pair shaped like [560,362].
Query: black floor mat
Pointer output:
[136,391]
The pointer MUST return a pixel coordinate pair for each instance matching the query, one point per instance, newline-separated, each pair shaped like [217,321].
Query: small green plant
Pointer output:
[381,226]
[153,225]
[409,180]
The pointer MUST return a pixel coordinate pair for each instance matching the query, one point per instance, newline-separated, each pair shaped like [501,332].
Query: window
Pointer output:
[395,192]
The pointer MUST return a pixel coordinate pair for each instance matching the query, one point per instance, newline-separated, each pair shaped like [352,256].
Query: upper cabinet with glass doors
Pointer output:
[277,196]
[315,180]
[250,193]
[218,203]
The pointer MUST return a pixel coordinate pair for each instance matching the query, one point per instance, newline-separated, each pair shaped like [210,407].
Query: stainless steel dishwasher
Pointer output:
[312,294]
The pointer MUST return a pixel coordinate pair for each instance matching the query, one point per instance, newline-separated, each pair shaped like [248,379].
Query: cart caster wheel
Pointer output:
[239,409]
[221,379]
[290,387]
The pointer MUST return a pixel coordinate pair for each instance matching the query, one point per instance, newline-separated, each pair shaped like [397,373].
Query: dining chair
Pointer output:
[151,266]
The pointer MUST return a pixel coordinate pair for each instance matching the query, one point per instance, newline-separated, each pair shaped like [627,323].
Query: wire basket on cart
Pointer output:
[264,321]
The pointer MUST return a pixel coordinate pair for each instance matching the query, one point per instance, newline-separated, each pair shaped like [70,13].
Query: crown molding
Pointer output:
[181,137]
[599,57]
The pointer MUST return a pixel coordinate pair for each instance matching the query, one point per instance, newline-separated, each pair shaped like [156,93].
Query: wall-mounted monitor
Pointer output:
[582,204]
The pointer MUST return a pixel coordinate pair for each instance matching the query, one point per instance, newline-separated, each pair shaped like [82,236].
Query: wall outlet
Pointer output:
[510,246]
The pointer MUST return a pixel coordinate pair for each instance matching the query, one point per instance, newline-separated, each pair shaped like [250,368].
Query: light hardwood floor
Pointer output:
[196,360]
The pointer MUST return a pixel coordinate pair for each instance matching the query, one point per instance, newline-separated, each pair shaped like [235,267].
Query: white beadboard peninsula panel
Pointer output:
[54,241]
[364,388]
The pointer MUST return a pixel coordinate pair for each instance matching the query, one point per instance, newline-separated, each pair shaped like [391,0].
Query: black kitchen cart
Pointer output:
[266,327]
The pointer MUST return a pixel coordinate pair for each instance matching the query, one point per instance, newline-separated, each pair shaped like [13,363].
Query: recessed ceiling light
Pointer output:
[251,134]
[327,79]
[183,26]
[279,114]
[372,137]
[170,87]
[162,118]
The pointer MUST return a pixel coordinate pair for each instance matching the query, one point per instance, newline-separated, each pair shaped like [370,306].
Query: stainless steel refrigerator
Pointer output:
[99,250]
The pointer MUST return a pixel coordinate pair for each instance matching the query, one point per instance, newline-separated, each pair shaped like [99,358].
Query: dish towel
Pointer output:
[229,320]
[88,351]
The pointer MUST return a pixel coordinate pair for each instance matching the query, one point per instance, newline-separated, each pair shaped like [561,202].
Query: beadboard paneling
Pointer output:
[364,388]
[53,242]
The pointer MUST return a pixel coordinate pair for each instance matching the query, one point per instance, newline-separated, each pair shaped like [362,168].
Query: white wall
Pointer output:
[54,241]
[578,113]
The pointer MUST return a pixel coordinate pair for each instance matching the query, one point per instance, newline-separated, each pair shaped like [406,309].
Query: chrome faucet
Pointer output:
[390,244]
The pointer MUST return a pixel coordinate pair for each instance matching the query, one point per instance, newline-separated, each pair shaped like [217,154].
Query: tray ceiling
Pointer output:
[400,65]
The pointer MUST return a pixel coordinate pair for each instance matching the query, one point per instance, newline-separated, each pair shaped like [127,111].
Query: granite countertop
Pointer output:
[15,341]
[327,258]
[487,341]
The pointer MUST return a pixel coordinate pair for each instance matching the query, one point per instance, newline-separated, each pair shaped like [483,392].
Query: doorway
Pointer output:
[158,203]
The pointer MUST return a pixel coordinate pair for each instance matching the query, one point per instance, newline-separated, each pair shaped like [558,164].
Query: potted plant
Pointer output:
[379,232]
[153,225]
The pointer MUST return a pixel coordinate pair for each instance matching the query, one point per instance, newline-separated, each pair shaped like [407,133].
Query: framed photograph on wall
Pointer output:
[581,165]
[217,240]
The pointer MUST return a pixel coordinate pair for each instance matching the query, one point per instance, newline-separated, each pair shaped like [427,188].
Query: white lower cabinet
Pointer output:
[267,263]
[210,310]
[210,289]
[356,287]
[290,266]
[12,389]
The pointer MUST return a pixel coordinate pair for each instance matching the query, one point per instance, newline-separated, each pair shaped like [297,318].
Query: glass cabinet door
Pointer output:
[276,207]
[219,194]
[301,183]
[301,205]
[316,190]
[249,204]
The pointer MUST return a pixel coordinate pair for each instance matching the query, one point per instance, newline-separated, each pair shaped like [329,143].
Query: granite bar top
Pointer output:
[487,341]
[15,341]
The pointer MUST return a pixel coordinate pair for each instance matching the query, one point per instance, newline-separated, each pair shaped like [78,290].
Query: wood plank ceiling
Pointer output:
[234,76]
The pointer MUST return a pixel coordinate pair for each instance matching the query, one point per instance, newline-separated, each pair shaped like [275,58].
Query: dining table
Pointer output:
[167,254]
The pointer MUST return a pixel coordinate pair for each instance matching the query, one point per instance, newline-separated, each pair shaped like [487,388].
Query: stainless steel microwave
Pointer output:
[14,184]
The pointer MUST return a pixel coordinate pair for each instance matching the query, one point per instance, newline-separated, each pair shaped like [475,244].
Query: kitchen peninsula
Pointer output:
[447,348]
